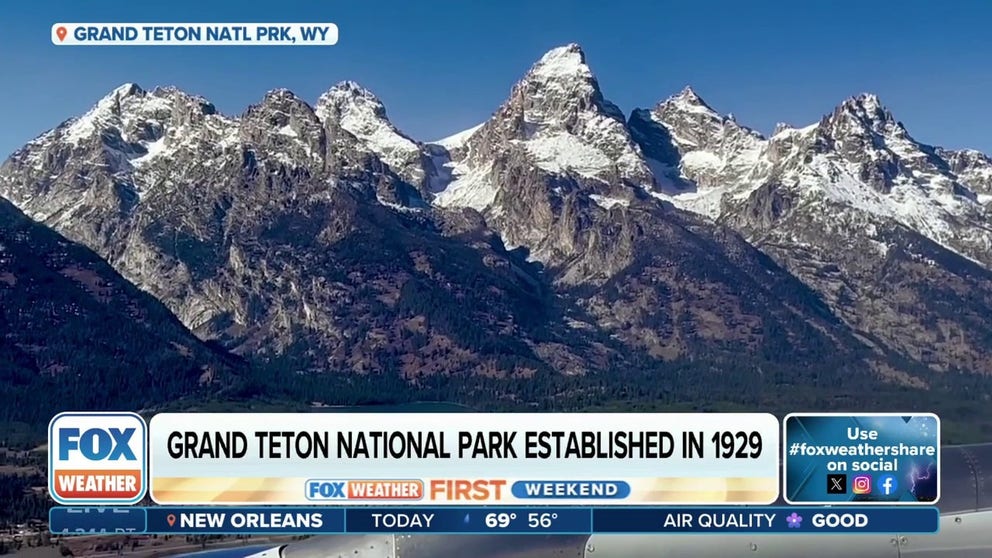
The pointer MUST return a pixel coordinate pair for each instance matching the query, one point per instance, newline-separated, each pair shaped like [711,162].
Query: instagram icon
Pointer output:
[861,484]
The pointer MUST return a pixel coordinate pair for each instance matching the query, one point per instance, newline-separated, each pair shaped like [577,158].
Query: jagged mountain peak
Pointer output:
[281,95]
[689,94]
[280,103]
[782,127]
[559,116]
[556,135]
[864,101]
[352,92]
[350,97]
[173,92]
[974,153]
[973,168]
[120,93]
[351,87]
[128,113]
[694,124]
[854,179]
[693,148]
[559,85]
[130,92]
[109,107]
[362,114]
[126,89]
[570,48]
[562,62]
[131,97]
[965,157]
[687,101]
[867,110]
[280,108]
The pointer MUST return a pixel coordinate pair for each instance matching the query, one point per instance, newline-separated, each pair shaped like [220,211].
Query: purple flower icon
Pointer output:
[795,520]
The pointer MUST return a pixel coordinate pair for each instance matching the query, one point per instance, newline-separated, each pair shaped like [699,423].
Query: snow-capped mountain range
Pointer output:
[568,233]
[859,158]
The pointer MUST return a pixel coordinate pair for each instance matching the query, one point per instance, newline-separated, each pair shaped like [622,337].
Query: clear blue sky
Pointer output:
[443,65]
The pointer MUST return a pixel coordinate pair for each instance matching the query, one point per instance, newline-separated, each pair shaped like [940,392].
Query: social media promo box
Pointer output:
[97,458]
[870,458]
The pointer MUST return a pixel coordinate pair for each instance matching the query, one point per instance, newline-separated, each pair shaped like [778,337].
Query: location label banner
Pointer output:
[313,520]
[269,521]
[194,34]
[464,459]
[864,459]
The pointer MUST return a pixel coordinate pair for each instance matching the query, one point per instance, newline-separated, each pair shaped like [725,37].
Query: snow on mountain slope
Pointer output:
[457,140]
[859,157]
[257,229]
[361,113]
[467,187]
[264,233]
[973,168]
[564,111]
[871,219]
[862,158]
[562,153]
[557,119]
[453,183]
[357,112]
[699,153]
[130,135]
[557,173]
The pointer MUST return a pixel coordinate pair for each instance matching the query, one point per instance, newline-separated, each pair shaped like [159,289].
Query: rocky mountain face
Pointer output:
[693,150]
[558,236]
[555,123]
[358,112]
[972,168]
[272,233]
[73,329]
[895,235]
[556,171]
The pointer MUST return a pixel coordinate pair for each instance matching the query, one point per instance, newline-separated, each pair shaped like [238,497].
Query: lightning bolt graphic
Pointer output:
[918,475]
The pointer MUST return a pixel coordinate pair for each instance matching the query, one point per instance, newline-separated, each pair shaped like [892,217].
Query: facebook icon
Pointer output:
[888,484]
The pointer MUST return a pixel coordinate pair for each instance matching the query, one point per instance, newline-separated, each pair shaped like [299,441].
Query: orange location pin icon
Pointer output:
[60,32]
[170,519]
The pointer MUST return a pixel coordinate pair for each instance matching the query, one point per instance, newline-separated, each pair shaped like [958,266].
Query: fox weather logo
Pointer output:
[97,458]
[888,485]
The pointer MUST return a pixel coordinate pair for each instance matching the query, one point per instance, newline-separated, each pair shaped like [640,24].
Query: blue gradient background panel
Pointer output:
[914,480]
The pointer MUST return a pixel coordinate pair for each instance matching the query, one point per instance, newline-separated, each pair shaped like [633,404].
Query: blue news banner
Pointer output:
[315,520]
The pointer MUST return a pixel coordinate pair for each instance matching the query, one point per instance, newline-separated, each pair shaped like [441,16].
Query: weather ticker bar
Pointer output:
[314,520]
